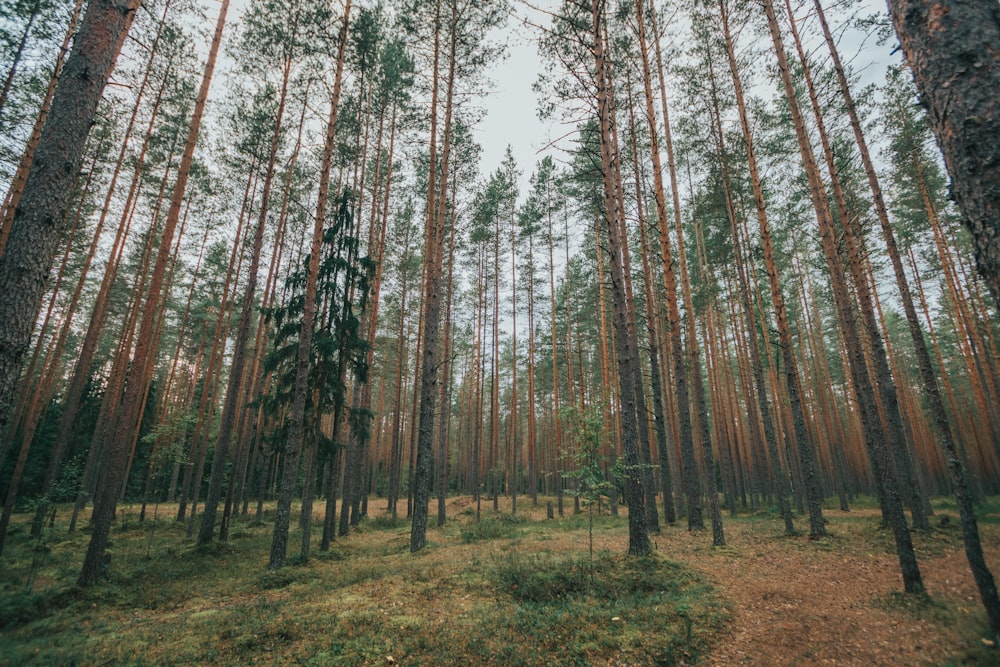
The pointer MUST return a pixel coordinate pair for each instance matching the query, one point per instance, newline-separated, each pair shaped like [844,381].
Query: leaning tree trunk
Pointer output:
[37,222]
[855,248]
[934,40]
[953,50]
[9,79]
[13,196]
[782,486]
[145,352]
[234,391]
[863,386]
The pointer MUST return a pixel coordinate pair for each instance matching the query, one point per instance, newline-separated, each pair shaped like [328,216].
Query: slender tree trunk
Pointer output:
[778,473]
[792,380]
[652,334]
[554,337]
[513,430]
[626,351]
[874,437]
[431,309]
[234,392]
[105,502]
[279,543]
[942,427]
[396,450]
[689,466]
[855,249]
[9,79]
[444,425]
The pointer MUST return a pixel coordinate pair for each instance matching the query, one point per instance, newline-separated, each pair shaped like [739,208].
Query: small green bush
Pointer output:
[386,522]
[498,527]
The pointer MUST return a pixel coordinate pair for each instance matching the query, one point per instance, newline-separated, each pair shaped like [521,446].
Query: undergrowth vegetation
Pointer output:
[501,590]
[505,590]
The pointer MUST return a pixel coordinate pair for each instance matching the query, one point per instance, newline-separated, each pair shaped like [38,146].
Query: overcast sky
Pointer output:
[511,110]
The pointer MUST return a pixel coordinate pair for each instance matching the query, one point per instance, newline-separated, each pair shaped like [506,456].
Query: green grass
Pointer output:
[497,526]
[501,591]
[642,610]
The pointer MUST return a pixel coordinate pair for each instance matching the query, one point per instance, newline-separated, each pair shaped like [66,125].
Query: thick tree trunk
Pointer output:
[31,404]
[37,220]
[16,190]
[953,50]
[917,36]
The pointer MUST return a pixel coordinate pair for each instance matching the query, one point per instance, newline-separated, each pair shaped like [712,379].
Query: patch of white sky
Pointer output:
[511,105]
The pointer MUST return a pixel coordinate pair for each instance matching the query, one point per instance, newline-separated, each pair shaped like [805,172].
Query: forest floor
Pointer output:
[839,600]
[503,591]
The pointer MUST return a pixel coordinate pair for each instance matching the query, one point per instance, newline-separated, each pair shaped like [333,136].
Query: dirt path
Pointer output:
[832,602]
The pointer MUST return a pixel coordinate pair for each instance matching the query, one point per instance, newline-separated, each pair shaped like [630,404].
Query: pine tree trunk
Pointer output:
[431,297]
[51,367]
[9,79]
[556,407]
[652,334]
[626,351]
[108,413]
[296,426]
[444,425]
[376,249]
[532,419]
[145,352]
[952,48]
[779,475]
[689,465]
[792,381]
[36,223]
[396,450]
[232,405]
[874,437]
[855,249]
[16,190]
[28,401]
[942,427]
[194,468]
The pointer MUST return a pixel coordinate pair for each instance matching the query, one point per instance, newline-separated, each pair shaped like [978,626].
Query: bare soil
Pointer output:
[837,601]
